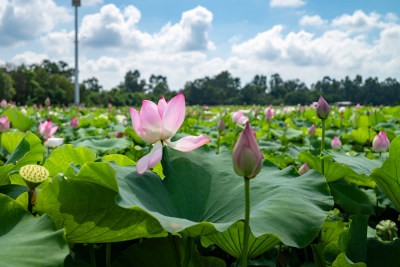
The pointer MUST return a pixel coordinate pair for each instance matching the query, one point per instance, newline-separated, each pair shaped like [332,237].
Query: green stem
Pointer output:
[188,252]
[31,199]
[246,221]
[108,254]
[218,142]
[322,146]
[92,255]
[174,249]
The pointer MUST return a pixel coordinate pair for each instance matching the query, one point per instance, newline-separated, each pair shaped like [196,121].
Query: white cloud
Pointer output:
[28,58]
[358,22]
[91,2]
[286,3]
[25,20]
[391,17]
[314,21]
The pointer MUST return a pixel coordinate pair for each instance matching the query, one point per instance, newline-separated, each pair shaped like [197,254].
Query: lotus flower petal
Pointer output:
[173,117]
[189,143]
[151,159]
[162,105]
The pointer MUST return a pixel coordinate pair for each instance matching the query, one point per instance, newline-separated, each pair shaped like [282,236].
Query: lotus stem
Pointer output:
[322,147]
[31,199]
[174,249]
[246,221]
[218,142]
[188,252]
[92,255]
[108,254]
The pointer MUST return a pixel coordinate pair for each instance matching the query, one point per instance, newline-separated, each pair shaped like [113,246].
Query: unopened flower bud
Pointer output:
[312,130]
[221,126]
[386,230]
[336,144]
[74,123]
[246,156]
[3,103]
[34,175]
[381,142]
[303,169]
[269,114]
[4,124]
[322,109]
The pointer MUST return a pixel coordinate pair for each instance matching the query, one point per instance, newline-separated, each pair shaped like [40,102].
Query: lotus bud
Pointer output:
[342,110]
[269,114]
[386,230]
[3,103]
[47,101]
[246,156]
[74,123]
[322,109]
[312,130]
[118,134]
[34,175]
[381,142]
[221,126]
[4,124]
[336,144]
[303,169]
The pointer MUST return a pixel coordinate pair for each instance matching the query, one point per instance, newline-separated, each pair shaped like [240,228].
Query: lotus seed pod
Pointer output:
[386,230]
[34,175]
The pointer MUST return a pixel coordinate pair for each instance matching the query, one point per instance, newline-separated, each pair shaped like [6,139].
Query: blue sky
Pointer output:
[185,40]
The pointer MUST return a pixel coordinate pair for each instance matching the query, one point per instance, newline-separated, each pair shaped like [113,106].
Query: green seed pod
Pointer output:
[34,175]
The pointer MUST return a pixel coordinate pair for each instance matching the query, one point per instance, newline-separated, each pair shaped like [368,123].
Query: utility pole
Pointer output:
[76,4]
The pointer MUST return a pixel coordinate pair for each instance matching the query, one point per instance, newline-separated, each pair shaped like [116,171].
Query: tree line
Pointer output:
[34,83]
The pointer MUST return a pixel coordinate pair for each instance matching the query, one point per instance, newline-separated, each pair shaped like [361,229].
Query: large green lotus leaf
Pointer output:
[231,241]
[388,176]
[143,254]
[19,120]
[83,202]
[358,163]
[343,261]
[29,241]
[29,151]
[201,195]
[383,253]
[361,135]
[13,190]
[102,145]
[64,155]
[10,141]
[353,199]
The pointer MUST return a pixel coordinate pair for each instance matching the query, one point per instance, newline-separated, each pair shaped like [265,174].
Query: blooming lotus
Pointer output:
[381,142]
[4,124]
[246,156]
[239,117]
[157,124]
[47,130]
[336,143]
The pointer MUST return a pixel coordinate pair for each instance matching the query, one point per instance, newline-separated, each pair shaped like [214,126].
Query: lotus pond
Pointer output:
[158,185]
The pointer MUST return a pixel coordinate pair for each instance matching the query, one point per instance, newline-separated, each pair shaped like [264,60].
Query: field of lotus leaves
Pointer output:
[165,184]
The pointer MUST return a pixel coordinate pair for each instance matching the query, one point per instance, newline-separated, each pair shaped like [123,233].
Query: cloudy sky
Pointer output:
[188,39]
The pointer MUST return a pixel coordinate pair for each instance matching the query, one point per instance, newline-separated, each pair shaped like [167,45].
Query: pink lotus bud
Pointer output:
[74,123]
[118,111]
[322,109]
[118,134]
[246,156]
[221,126]
[358,106]
[109,105]
[336,144]
[381,142]
[4,124]
[34,106]
[3,103]
[312,130]
[269,114]
[47,101]
[303,169]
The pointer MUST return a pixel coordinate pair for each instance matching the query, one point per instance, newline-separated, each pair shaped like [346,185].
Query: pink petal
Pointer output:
[173,117]
[243,120]
[162,104]
[151,122]
[189,143]
[136,122]
[151,159]
[53,130]
[41,127]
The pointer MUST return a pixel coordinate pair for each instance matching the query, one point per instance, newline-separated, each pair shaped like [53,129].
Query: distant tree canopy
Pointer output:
[34,83]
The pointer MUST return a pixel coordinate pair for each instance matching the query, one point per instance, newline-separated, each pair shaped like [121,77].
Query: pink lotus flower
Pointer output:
[312,130]
[303,169]
[381,142]
[269,114]
[322,109]
[246,156]
[239,118]
[3,103]
[4,124]
[157,124]
[74,123]
[336,144]
[47,130]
